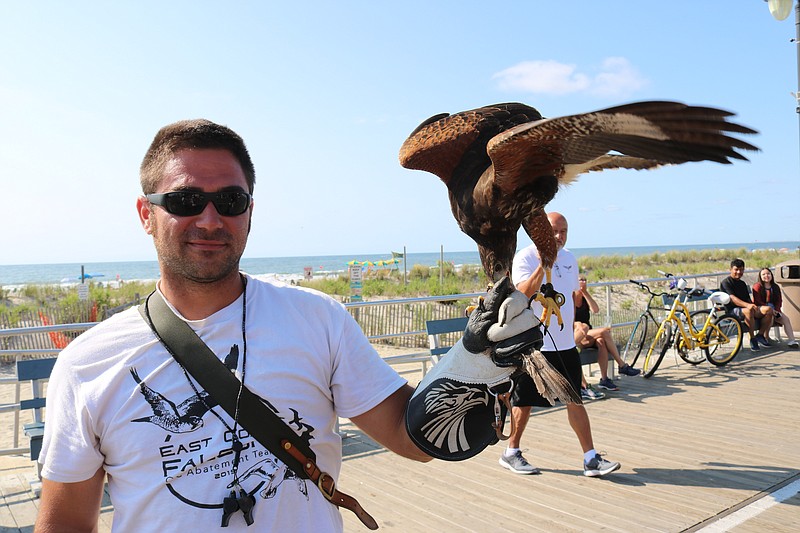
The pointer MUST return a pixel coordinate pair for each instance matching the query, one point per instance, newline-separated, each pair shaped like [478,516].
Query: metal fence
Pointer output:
[402,322]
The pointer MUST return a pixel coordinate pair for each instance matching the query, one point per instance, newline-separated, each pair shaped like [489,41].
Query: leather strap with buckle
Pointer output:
[327,485]
[259,421]
[498,418]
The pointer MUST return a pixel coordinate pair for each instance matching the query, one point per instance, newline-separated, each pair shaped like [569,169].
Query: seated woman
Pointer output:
[767,292]
[588,337]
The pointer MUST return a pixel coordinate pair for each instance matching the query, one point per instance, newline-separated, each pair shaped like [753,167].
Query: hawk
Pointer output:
[503,163]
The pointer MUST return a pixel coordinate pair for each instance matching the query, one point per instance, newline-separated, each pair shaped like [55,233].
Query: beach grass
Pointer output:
[63,302]
[678,262]
[420,280]
[426,281]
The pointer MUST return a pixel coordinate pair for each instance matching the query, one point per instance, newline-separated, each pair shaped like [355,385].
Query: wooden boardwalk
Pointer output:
[696,444]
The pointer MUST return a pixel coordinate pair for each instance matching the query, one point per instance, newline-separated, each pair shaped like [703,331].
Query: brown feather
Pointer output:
[549,382]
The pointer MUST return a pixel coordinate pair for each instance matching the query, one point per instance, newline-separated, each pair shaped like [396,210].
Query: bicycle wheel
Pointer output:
[723,340]
[696,355]
[636,341]
[658,349]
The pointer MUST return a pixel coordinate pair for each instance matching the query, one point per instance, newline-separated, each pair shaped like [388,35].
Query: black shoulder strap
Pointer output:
[254,415]
[215,378]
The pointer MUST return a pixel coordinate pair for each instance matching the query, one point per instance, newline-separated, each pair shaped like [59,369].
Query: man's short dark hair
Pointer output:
[738,263]
[192,134]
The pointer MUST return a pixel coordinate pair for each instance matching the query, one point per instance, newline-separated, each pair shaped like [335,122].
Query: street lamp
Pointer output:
[780,9]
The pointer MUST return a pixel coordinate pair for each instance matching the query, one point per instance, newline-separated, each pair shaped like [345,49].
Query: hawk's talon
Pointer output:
[480,307]
[551,301]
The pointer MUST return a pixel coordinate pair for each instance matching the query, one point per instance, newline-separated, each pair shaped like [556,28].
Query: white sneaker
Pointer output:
[517,464]
[599,467]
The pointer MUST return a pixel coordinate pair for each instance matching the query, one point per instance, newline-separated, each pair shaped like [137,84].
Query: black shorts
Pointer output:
[566,362]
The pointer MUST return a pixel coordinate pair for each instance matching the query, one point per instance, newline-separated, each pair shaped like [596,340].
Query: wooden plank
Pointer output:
[694,442]
[9,489]
[17,498]
[691,446]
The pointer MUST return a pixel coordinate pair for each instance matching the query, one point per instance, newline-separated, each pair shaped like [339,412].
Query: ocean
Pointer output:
[293,267]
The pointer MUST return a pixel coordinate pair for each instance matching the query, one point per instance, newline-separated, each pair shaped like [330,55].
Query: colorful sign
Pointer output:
[355,283]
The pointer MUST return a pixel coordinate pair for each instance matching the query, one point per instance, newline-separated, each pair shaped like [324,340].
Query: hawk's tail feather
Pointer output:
[549,382]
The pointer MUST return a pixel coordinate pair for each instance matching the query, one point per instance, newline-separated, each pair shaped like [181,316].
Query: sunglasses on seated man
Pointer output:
[192,203]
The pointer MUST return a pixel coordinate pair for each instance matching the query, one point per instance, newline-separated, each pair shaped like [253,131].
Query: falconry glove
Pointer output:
[456,411]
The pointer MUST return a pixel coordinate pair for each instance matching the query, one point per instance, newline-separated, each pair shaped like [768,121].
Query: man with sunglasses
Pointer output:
[120,406]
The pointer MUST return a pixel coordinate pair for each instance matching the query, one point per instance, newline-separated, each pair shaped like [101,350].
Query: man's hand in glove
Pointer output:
[504,323]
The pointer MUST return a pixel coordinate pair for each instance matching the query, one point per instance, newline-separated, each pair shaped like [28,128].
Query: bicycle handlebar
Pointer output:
[647,288]
[689,291]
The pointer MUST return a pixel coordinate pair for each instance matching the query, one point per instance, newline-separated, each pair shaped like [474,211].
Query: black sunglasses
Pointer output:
[192,203]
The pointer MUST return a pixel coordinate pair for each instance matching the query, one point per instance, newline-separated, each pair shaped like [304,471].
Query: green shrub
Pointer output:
[419,272]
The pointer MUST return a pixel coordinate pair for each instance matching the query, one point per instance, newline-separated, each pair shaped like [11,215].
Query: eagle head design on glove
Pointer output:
[455,411]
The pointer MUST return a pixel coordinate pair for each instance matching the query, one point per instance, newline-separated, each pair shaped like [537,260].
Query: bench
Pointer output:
[37,371]
[776,329]
[441,345]
[589,358]
[418,357]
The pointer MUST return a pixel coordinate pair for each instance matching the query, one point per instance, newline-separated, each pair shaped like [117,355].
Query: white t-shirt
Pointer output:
[168,459]
[565,281]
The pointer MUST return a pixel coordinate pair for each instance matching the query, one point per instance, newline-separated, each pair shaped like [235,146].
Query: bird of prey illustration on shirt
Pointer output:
[184,417]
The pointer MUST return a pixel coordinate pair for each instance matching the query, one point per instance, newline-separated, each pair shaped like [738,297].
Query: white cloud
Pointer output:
[617,77]
[614,77]
[548,77]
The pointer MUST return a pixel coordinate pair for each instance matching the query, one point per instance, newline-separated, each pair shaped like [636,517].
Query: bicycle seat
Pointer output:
[719,298]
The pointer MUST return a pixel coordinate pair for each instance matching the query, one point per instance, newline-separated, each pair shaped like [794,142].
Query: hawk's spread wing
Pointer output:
[648,133]
[446,142]
[504,163]
[439,143]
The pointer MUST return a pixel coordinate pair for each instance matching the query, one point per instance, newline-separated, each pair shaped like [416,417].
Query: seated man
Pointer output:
[588,337]
[743,307]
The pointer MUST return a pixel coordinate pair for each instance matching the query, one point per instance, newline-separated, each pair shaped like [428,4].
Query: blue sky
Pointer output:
[324,94]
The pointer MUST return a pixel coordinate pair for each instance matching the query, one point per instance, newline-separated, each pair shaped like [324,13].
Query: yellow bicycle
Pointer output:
[712,334]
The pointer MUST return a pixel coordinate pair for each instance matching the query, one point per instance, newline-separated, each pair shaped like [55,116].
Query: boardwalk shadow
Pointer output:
[736,477]
[682,377]
[356,444]
[715,476]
